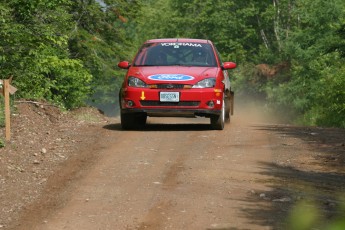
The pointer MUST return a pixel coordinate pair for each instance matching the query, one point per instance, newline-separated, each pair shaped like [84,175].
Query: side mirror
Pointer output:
[124,65]
[229,65]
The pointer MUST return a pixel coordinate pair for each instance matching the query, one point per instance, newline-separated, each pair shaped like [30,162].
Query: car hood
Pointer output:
[177,74]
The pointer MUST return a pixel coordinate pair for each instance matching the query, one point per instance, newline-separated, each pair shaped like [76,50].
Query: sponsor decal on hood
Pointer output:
[170,77]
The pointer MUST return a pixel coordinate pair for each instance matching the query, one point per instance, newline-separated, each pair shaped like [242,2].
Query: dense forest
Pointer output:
[290,53]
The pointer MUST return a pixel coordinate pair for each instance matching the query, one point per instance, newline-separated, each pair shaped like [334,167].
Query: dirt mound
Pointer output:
[42,138]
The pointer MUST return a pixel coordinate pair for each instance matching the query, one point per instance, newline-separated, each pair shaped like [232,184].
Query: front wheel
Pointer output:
[217,121]
[227,109]
[133,120]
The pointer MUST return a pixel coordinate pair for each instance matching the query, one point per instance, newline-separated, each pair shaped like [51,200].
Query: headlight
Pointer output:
[136,82]
[206,83]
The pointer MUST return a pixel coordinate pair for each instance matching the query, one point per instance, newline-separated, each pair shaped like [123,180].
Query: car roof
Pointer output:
[184,40]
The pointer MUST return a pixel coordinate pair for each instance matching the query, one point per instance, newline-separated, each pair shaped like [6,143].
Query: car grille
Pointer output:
[158,103]
[170,86]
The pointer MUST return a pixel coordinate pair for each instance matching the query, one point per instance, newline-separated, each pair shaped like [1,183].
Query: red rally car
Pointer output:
[176,78]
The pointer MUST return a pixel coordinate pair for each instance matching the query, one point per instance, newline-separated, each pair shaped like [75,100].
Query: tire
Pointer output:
[127,121]
[133,120]
[227,109]
[232,99]
[217,121]
[141,120]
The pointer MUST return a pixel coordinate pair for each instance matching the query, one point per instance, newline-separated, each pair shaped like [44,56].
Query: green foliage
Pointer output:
[2,143]
[307,215]
[328,108]
[304,216]
[2,115]
[246,83]
[315,92]
[34,47]
[63,50]
[100,38]
[309,36]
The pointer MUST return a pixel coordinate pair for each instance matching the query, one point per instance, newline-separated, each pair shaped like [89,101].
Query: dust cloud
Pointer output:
[252,110]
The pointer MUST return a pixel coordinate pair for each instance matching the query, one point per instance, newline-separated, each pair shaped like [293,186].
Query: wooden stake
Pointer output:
[7,110]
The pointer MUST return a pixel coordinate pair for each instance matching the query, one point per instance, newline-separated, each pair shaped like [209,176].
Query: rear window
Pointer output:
[170,54]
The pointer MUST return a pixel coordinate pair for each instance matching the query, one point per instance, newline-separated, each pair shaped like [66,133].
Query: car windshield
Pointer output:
[176,53]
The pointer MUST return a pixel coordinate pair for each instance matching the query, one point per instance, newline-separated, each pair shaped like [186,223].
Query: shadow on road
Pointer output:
[162,127]
[327,143]
[322,180]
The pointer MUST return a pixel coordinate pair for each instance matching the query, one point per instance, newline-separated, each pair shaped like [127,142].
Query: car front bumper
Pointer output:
[192,102]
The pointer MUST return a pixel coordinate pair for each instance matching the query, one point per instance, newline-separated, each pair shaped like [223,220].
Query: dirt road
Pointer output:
[179,174]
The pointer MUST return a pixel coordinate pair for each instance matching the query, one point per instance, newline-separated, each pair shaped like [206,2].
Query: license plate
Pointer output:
[169,96]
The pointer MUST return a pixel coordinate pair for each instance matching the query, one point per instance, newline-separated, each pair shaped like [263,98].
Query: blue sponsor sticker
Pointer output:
[170,77]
